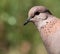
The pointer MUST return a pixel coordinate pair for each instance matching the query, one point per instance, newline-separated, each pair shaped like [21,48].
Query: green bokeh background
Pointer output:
[13,13]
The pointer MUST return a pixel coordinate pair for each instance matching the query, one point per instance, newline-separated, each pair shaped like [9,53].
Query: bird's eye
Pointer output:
[37,13]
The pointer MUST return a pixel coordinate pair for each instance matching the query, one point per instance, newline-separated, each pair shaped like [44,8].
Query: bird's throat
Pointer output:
[47,28]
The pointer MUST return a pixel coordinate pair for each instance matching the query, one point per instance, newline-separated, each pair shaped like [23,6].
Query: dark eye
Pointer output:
[37,13]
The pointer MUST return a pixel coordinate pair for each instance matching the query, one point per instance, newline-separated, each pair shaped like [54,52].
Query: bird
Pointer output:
[48,26]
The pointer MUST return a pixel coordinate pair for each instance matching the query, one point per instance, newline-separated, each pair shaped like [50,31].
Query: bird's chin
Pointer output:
[32,20]
[35,23]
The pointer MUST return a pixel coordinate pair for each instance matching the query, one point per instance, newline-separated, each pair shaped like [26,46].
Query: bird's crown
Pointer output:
[36,10]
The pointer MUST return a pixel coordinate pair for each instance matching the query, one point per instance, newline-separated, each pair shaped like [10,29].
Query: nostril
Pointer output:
[33,16]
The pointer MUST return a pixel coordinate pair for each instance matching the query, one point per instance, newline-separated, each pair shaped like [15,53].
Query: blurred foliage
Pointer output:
[13,13]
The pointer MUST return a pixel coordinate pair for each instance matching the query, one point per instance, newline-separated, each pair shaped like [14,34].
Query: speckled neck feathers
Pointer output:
[49,27]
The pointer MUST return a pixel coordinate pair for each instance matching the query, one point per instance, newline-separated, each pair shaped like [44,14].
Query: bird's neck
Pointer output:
[48,31]
[46,27]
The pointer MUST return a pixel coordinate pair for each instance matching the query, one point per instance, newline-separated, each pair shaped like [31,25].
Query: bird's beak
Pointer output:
[27,21]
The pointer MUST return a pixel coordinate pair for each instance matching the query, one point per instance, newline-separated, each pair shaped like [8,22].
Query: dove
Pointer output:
[48,26]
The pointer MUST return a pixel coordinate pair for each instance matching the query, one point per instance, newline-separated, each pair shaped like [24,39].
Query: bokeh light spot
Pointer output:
[12,20]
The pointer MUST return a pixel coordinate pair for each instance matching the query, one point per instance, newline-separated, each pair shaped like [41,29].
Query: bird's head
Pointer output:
[37,13]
